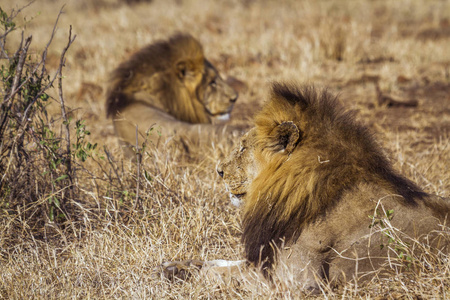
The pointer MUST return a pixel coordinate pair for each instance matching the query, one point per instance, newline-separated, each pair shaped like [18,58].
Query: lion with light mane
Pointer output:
[171,86]
[320,200]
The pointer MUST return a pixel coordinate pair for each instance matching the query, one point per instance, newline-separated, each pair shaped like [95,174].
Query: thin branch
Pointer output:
[19,68]
[39,94]
[111,163]
[42,62]
[44,53]
[7,102]
[70,171]
[138,161]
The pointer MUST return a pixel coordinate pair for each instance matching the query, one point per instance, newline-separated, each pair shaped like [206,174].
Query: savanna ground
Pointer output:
[100,233]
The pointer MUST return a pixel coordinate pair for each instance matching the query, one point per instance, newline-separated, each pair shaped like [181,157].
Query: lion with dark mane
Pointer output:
[168,85]
[320,200]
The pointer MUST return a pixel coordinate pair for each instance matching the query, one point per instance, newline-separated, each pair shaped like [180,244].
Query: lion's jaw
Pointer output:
[237,199]
[236,192]
[216,95]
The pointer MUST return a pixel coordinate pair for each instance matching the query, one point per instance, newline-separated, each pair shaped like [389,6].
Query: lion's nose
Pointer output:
[220,171]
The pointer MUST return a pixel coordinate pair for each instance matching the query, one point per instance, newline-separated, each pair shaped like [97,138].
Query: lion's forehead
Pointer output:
[210,73]
[249,137]
[241,160]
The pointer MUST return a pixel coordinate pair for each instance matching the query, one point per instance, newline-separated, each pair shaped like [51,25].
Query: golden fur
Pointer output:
[169,85]
[309,177]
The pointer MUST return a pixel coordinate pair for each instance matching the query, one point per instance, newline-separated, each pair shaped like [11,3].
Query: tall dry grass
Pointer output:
[104,248]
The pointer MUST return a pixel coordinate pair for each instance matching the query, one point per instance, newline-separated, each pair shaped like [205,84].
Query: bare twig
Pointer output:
[70,171]
[42,63]
[138,162]
[112,163]
[44,53]
[18,73]
[6,105]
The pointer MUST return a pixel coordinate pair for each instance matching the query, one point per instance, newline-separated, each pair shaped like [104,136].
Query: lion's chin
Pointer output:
[221,117]
[237,199]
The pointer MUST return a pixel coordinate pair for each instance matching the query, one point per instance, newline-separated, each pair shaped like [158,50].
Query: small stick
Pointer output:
[70,171]
[138,160]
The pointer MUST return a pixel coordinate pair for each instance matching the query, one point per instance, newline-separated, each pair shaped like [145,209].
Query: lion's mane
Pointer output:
[155,66]
[332,155]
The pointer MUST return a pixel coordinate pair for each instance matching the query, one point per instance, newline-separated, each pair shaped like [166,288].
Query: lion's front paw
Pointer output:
[178,269]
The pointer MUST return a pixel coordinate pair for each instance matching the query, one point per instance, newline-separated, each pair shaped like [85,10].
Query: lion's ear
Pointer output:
[181,69]
[185,68]
[287,136]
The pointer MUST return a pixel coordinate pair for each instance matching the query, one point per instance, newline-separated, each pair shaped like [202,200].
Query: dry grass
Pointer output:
[108,250]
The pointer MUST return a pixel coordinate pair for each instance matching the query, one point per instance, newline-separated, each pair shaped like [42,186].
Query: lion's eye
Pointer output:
[213,83]
[242,149]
